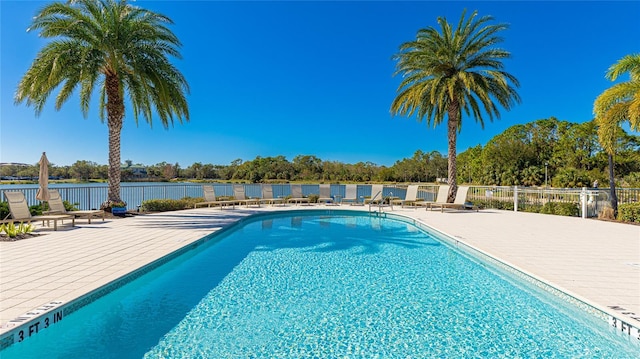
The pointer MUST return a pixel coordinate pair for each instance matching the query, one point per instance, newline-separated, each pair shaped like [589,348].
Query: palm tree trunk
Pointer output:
[612,188]
[114,161]
[115,115]
[452,133]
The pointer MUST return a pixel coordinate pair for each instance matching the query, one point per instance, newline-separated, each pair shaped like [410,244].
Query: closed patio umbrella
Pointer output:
[43,179]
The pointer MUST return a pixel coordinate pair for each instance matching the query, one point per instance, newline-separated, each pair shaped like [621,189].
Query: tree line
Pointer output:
[565,154]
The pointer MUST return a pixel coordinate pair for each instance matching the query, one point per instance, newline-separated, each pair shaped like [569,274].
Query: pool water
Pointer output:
[310,286]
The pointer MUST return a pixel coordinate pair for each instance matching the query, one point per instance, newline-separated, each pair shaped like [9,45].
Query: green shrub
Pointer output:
[632,179]
[532,208]
[629,212]
[505,205]
[12,231]
[561,209]
[36,209]
[313,198]
[163,205]
[567,209]
[9,229]
[4,210]
[70,206]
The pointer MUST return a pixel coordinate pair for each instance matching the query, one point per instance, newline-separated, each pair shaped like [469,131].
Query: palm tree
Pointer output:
[447,71]
[617,104]
[121,49]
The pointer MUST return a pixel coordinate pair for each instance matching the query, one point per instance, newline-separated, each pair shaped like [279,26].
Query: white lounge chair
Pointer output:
[351,195]
[19,212]
[267,196]
[56,206]
[210,199]
[240,196]
[296,195]
[376,195]
[458,203]
[443,192]
[325,194]
[410,197]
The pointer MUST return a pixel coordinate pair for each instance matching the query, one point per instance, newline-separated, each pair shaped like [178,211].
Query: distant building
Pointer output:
[136,171]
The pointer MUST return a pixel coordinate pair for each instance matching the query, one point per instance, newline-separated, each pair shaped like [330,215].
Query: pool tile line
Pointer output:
[31,323]
[608,315]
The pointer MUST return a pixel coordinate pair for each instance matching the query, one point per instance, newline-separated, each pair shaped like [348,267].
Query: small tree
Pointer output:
[447,71]
[120,48]
[618,104]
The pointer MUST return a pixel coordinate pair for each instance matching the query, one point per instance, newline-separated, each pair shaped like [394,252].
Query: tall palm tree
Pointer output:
[121,49]
[618,104]
[449,70]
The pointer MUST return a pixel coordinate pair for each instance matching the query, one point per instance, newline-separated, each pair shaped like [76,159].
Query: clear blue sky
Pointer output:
[315,78]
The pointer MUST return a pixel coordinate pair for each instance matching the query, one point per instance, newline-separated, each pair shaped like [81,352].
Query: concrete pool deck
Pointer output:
[595,261]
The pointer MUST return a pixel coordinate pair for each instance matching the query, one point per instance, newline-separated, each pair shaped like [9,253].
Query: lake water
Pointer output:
[91,195]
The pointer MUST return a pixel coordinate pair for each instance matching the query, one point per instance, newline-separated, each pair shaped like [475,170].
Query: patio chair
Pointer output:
[296,195]
[443,192]
[376,195]
[56,206]
[210,199]
[240,196]
[19,211]
[351,195]
[267,196]
[459,203]
[410,197]
[325,195]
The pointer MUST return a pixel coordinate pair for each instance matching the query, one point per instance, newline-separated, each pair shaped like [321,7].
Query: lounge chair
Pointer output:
[325,194]
[56,206]
[240,196]
[376,195]
[443,192]
[296,195]
[351,195]
[267,196]
[210,199]
[459,203]
[19,212]
[410,197]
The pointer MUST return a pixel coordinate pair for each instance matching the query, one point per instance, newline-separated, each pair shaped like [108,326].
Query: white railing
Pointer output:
[588,202]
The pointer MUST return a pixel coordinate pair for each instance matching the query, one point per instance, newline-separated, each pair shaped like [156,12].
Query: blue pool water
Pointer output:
[325,287]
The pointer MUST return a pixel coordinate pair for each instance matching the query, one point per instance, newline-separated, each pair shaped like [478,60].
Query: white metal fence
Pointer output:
[587,202]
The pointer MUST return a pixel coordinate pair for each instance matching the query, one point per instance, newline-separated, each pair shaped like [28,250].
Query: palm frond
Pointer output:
[619,103]
[461,66]
[628,64]
[95,39]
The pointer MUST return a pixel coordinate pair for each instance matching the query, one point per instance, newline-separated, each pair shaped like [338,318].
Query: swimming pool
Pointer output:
[309,285]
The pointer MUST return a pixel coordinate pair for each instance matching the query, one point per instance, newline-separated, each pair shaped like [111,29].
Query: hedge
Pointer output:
[629,212]
[163,205]
[562,209]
